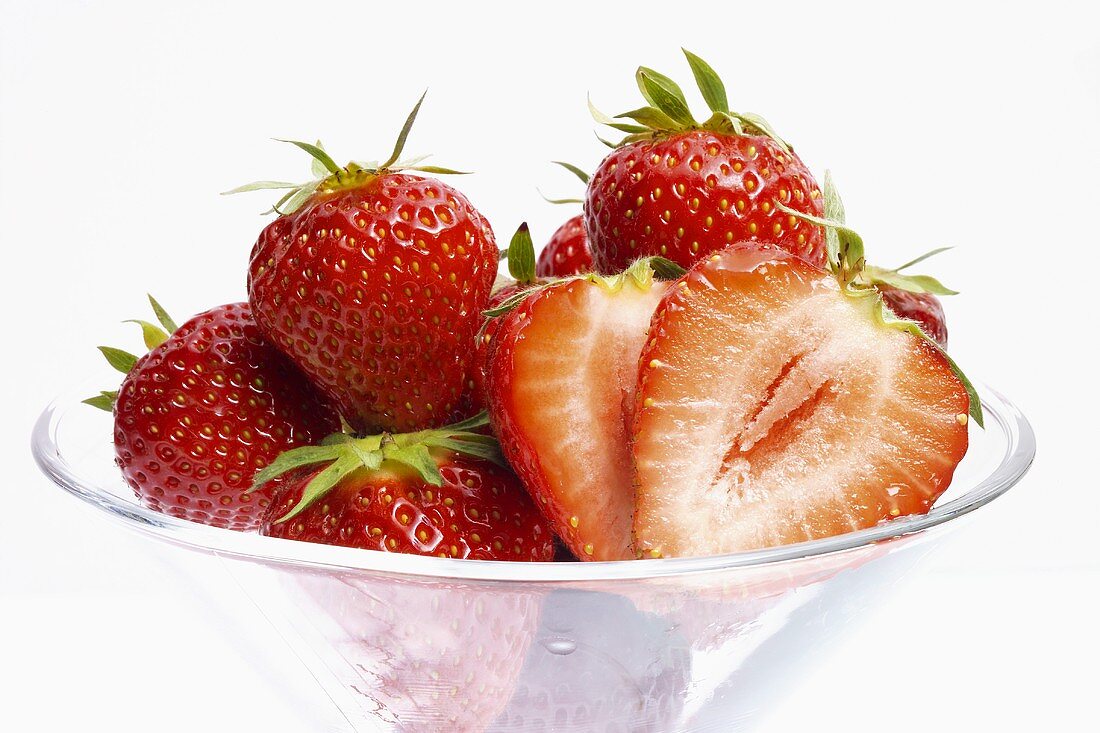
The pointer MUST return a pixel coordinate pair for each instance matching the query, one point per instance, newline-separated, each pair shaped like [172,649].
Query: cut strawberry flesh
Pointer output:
[562,392]
[774,409]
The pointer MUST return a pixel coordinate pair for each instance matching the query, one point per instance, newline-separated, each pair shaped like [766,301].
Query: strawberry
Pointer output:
[924,309]
[567,251]
[682,189]
[203,410]
[560,388]
[372,281]
[777,403]
[439,492]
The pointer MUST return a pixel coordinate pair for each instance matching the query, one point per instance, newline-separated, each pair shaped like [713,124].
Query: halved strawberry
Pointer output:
[776,404]
[561,391]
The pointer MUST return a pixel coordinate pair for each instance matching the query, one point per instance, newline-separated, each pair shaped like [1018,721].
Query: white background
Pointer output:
[968,124]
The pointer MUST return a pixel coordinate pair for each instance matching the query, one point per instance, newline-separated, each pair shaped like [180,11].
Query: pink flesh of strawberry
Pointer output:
[575,372]
[776,409]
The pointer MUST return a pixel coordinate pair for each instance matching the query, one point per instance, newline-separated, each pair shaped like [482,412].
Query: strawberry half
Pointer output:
[373,281]
[681,189]
[776,404]
[561,391]
[208,406]
[442,492]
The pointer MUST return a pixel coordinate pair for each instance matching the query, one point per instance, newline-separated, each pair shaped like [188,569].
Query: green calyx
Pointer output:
[521,256]
[640,274]
[913,283]
[845,251]
[844,248]
[329,177]
[344,454]
[846,260]
[123,361]
[667,111]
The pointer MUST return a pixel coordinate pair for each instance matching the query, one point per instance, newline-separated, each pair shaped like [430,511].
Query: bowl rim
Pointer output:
[1018,455]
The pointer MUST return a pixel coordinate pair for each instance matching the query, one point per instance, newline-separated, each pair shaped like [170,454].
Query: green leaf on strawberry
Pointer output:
[911,283]
[709,83]
[521,256]
[162,316]
[153,336]
[104,401]
[575,170]
[667,109]
[345,454]
[120,361]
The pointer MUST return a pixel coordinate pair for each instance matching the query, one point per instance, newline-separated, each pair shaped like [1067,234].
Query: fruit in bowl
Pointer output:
[700,363]
[203,410]
[386,407]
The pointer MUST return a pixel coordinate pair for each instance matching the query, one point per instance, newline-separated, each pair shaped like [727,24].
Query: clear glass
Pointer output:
[408,643]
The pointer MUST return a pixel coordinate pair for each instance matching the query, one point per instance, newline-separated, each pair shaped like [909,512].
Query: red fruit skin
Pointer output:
[481,512]
[567,252]
[198,415]
[694,193]
[376,293]
[924,308]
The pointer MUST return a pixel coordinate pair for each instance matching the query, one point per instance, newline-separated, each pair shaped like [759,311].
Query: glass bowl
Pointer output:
[409,643]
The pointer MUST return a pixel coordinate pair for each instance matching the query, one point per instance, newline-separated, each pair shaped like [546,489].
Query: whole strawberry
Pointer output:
[567,252]
[924,309]
[208,406]
[684,189]
[373,280]
[440,492]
